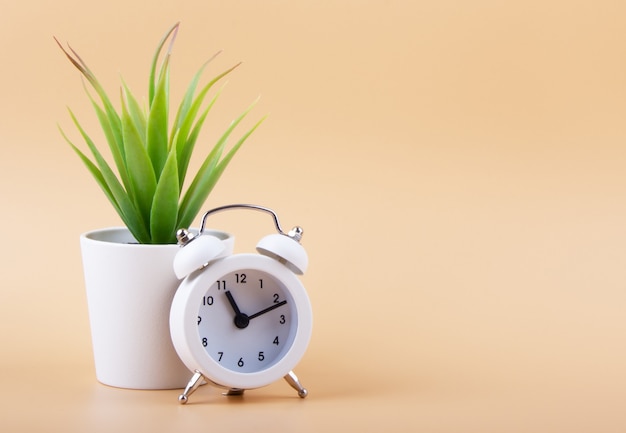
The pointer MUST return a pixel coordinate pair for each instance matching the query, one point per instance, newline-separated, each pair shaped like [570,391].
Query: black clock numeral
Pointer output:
[276,340]
[240,278]
[276,298]
[282,319]
[240,362]
[207,300]
[261,356]
[199,319]
[205,342]
[260,283]
[221,285]
[220,358]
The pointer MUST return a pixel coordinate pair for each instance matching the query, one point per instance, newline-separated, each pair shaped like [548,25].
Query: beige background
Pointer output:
[458,168]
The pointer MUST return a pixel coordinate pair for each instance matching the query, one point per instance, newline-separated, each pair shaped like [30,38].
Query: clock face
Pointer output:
[246,320]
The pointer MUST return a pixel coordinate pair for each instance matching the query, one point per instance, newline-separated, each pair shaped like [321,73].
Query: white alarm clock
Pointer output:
[240,321]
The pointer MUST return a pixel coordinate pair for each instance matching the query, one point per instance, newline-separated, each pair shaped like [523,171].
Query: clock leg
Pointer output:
[233,392]
[194,383]
[292,380]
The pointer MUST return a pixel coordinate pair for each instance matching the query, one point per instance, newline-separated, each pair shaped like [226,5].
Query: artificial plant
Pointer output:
[150,156]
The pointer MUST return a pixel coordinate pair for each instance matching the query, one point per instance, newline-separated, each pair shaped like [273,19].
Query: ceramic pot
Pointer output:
[130,288]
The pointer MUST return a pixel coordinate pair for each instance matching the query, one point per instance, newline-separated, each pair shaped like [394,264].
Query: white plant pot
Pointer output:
[130,288]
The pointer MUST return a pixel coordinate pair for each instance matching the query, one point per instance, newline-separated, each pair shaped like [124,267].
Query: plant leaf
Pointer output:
[210,172]
[185,151]
[95,172]
[110,135]
[140,171]
[211,160]
[185,104]
[136,112]
[186,124]
[187,120]
[164,213]
[157,122]
[152,82]
[113,117]
[123,205]
[200,188]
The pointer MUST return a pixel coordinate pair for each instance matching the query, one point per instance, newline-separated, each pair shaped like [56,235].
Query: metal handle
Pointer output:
[295,233]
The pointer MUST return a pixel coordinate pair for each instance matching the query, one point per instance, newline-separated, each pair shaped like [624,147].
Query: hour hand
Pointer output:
[232,302]
[241,320]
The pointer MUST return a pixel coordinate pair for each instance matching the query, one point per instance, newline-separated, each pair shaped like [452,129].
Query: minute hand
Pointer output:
[267,310]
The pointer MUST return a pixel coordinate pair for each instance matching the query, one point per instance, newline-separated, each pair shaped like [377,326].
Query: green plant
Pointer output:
[151,159]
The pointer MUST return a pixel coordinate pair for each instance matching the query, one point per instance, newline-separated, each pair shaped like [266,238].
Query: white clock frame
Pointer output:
[282,257]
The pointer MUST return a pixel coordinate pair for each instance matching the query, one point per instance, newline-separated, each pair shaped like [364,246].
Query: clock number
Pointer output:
[221,285]
[205,342]
[240,362]
[282,319]
[276,297]
[241,278]
[220,358]
[199,319]
[276,340]
[261,356]
[207,300]
[261,283]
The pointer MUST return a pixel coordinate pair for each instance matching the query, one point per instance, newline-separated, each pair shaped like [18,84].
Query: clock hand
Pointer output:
[232,302]
[267,310]
[241,319]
